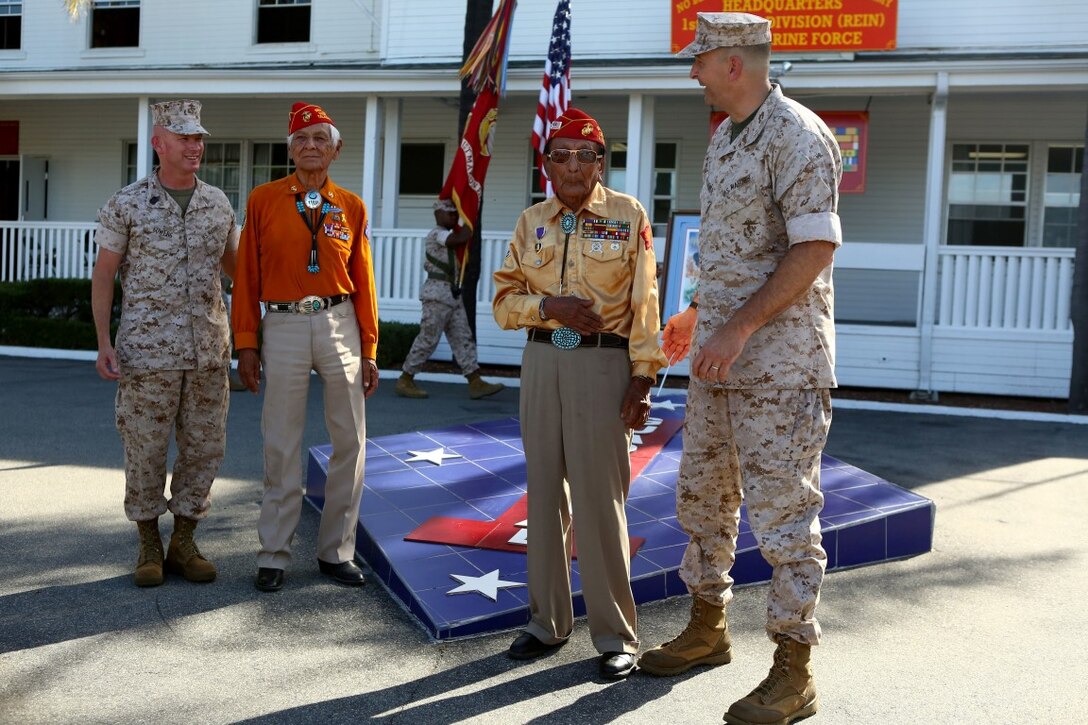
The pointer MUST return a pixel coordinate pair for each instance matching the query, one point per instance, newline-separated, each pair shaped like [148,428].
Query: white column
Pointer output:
[390,164]
[646,155]
[934,215]
[371,138]
[640,148]
[634,145]
[143,137]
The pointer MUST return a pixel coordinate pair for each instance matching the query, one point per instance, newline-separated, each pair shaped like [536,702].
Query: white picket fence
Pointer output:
[1006,289]
[1000,317]
[993,288]
[29,250]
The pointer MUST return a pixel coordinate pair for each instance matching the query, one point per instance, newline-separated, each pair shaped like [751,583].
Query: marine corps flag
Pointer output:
[485,69]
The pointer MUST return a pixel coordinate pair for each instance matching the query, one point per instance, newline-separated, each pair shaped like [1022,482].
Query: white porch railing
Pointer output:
[984,288]
[29,250]
[997,288]
[398,263]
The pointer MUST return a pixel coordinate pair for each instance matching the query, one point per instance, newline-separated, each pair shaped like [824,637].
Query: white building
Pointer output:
[956,270]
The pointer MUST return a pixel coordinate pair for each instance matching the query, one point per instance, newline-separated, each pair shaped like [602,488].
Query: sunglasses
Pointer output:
[584,156]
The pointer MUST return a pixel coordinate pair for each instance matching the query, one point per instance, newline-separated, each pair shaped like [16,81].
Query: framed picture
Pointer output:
[681,263]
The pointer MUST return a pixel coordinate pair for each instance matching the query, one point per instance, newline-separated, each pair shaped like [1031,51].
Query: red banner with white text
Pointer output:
[801,26]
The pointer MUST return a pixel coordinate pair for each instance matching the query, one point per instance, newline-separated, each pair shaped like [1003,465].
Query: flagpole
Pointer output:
[477,16]
[484,73]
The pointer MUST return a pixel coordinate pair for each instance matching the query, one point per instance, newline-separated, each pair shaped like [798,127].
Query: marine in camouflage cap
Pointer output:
[727,30]
[180,117]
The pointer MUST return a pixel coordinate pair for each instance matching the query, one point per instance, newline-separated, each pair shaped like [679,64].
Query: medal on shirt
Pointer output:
[566,338]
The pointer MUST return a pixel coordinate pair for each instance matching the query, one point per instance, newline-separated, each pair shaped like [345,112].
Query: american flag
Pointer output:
[555,89]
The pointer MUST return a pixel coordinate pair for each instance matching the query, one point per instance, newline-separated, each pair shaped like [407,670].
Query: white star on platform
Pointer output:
[666,405]
[436,456]
[488,585]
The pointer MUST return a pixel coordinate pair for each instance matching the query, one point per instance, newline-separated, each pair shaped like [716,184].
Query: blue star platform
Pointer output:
[442,521]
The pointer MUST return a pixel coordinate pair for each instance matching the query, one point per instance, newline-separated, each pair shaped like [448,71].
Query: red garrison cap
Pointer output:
[307,114]
[576,124]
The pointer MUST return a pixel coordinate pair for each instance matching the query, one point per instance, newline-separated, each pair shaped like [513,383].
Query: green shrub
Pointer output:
[394,341]
[47,332]
[61,299]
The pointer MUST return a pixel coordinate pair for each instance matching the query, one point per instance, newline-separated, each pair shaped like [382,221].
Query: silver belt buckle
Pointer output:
[310,304]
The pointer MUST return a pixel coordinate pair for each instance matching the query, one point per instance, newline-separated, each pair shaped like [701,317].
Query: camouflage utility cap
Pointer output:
[180,117]
[727,30]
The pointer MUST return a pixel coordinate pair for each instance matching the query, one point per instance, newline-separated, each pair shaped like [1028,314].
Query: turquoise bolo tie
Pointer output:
[566,338]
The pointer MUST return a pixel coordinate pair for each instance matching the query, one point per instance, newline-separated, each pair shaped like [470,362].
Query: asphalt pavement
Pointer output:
[986,628]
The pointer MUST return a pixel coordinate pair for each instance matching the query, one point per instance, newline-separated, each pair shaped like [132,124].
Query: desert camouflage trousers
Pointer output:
[761,447]
[443,316]
[151,404]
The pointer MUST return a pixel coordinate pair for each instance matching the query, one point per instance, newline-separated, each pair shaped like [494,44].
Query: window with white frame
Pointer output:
[536,193]
[226,166]
[1064,167]
[11,25]
[283,21]
[115,24]
[222,167]
[130,162]
[663,198]
[664,194]
[616,173]
[271,161]
[988,195]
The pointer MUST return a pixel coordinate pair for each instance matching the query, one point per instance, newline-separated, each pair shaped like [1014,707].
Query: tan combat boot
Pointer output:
[480,388]
[183,557]
[787,694]
[407,388]
[149,565]
[705,641]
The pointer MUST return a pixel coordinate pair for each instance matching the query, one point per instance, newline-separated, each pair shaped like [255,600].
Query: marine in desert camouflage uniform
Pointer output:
[762,329]
[442,311]
[170,235]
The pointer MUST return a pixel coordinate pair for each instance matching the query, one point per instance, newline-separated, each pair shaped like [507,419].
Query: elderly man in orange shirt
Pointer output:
[305,254]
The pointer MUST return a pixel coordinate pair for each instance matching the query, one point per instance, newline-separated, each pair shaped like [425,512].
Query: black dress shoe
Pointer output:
[616,665]
[527,647]
[269,580]
[347,572]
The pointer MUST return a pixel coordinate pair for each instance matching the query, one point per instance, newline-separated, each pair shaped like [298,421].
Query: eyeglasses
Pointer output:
[584,156]
[319,141]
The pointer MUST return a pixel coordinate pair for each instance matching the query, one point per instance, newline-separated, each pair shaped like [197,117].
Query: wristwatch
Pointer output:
[540,310]
[693,305]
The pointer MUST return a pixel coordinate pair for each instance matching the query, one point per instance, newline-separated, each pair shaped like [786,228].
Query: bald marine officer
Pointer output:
[759,404]
[170,235]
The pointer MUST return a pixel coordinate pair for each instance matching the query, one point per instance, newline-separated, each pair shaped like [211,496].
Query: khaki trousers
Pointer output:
[151,403]
[576,453]
[293,345]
